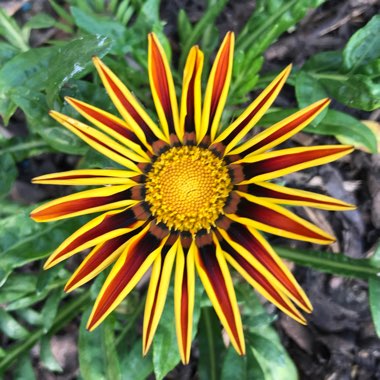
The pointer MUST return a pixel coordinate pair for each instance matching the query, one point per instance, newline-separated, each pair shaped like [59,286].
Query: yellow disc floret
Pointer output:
[187,188]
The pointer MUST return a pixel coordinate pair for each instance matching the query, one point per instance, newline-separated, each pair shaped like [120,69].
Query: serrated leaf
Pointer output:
[363,46]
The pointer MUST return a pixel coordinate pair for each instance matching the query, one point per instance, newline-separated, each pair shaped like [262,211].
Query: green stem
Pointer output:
[67,314]
[210,340]
[24,146]
[334,263]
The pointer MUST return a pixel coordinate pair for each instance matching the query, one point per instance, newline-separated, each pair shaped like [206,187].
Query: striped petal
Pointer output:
[234,133]
[84,202]
[190,117]
[87,177]
[97,260]
[282,130]
[217,88]
[215,276]
[157,292]
[130,109]
[274,193]
[184,293]
[110,124]
[99,141]
[259,262]
[275,164]
[104,227]
[162,87]
[276,220]
[138,256]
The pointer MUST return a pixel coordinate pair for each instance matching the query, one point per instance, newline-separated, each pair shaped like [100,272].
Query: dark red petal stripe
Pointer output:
[269,165]
[241,235]
[286,128]
[150,137]
[255,274]
[137,254]
[106,250]
[76,205]
[119,128]
[244,122]
[211,267]
[261,191]
[265,215]
[161,85]
[189,119]
[125,219]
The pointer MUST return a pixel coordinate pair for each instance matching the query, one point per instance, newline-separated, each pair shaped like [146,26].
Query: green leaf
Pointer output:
[363,46]
[24,369]
[308,91]
[98,357]
[47,358]
[50,308]
[71,60]
[211,346]
[133,365]
[234,367]
[374,297]
[11,31]
[324,62]
[7,51]
[10,327]
[39,21]
[8,173]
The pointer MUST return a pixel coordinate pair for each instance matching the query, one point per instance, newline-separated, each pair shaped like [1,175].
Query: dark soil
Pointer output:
[339,342]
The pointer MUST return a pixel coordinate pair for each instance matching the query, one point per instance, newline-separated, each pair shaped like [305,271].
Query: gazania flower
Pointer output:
[191,196]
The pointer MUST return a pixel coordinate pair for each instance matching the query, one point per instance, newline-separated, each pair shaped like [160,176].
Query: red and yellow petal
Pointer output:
[190,116]
[277,194]
[128,106]
[98,230]
[184,294]
[257,253]
[274,219]
[278,163]
[84,202]
[157,292]
[162,87]
[217,88]
[87,177]
[216,278]
[110,124]
[234,133]
[100,142]
[282,130]
[138,256]
[97,260]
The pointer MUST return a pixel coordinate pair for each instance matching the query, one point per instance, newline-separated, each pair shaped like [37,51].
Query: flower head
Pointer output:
[192,196]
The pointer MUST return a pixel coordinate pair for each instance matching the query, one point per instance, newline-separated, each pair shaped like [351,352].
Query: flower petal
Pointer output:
[110,124]
[87,177]
[184,293]
[190,117]
[157,292]
[234,133]
[275,164]
[217,88]
[276,220]
[104,227]
[162,87]
[258,256]
[274,193]
[129,108]
[97,260]
[100,142]
[282,130]
[138,256]
[84,202]
[215,276]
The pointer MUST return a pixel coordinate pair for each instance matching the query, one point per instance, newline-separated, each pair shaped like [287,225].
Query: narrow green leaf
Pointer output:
[363,46]
[134,366]
[50,308]
[24,369]
[10,327]
[11,31]
[374,297]
[98,357]
[47,358]
[8,173]
[40,21]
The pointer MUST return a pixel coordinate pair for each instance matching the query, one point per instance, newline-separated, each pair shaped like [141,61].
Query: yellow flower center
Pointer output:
[187,188]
